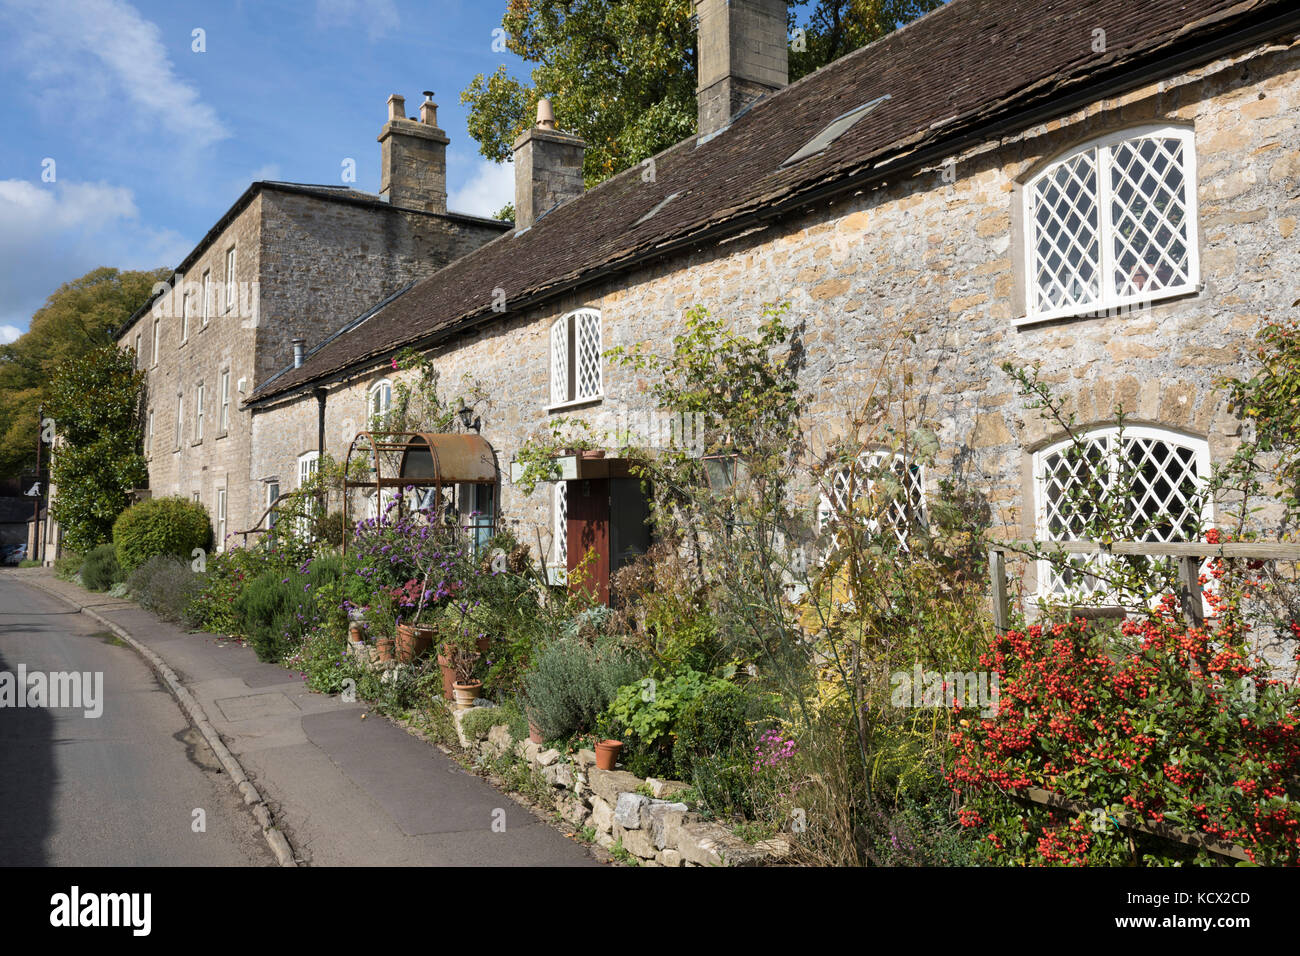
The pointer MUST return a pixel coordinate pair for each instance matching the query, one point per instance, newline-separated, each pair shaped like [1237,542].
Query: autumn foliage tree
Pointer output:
[80,316]
[95,402]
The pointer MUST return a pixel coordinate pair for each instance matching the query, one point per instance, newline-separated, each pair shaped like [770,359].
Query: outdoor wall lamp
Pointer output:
[468,419]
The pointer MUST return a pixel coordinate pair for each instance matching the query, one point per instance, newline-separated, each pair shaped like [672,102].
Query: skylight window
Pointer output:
[837,128]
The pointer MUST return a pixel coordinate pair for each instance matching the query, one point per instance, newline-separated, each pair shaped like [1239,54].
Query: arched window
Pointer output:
[1113,224]
[576,358]
[883,488]
[379,399]
[1165,473]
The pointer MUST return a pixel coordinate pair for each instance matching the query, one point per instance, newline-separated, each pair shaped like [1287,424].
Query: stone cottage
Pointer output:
[1106,189]
[282,270]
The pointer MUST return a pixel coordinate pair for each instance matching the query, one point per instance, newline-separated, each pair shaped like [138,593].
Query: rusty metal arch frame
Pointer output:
[456,459]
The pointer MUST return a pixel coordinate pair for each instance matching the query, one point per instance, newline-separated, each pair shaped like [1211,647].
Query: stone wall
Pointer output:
[924,278]
[656,829]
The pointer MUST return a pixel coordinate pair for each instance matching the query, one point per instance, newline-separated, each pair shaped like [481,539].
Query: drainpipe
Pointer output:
[320,444]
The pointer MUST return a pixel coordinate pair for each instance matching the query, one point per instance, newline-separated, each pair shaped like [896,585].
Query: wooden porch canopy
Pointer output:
[417,459]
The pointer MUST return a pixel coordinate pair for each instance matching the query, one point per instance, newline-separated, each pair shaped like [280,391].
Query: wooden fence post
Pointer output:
[998,576]
[1189,590]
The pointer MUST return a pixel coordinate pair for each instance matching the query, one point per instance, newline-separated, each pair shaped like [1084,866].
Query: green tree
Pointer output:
[80,316]
[622,72]
[95,401]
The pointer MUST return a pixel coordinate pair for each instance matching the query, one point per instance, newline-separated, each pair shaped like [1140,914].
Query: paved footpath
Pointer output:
[344,790]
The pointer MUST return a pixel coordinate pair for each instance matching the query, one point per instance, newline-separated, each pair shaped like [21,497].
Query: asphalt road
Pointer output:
[120,789]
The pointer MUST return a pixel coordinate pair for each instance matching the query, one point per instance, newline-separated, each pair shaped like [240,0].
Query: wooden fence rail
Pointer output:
[1189,555]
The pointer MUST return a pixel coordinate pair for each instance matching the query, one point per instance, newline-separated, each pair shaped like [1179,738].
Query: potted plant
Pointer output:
[461,643]
[412,599]
[381,623]
[607,752]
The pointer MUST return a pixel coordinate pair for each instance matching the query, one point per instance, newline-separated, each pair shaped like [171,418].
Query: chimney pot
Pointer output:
[298,347]
[429,110]
[545,114]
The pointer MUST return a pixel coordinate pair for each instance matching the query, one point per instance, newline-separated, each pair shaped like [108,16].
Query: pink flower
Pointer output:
[394,362]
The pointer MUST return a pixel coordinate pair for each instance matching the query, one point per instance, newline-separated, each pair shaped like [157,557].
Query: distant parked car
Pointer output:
[13,554]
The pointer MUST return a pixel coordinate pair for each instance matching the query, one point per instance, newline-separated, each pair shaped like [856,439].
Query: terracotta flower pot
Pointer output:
[607,752]
[384,648]
[356,633]
[466,693]
[412,642]
[448,678]
[534,734]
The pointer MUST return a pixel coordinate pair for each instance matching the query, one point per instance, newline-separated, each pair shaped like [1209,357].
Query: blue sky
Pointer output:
[152,142]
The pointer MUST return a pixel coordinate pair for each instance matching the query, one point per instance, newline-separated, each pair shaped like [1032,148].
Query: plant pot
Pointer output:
[466,693]
[356,633]
[534,734]
[412,642]
[448,678]
[384,649]
[607,752]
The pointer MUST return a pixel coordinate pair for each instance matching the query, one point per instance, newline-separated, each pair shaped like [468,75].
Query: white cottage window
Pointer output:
[379,399]
[576,358]
[863,488]
[1113,224]
[1166,503]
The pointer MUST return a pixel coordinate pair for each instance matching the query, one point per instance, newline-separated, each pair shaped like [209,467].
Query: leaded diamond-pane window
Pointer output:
[1164,499]
[1113,224]
[882,490]
[562,524]
[576,358]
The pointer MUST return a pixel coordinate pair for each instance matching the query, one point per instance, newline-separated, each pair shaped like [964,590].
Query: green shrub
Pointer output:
[480,720]
[265,610]
[100,570]
[171,525]
[713,751]
[572,683]
[67,566]
[165,585]
[29,563]
[643,715]
[224,578]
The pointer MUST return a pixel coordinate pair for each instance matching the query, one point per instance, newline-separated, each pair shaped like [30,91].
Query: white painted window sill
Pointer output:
[576,403]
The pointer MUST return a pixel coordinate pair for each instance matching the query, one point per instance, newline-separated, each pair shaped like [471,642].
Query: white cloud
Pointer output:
[53,233]
[379,16]
[489,187]
[103,52]
[9,333]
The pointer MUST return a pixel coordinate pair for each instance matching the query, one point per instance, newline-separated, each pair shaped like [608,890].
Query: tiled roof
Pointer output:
[952,73]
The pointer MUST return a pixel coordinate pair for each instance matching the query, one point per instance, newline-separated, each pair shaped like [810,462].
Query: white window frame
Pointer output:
[198,412]
[139,362]
[221,519]
[224,423]
[307,464]
[230,278]
[207,296]
[186,308]
[272,492]
[1102,150]
[573,340]
[869,461]
[560,532]
[382,390]
[1047,577]
[157,338]
[180,421]
[148,449]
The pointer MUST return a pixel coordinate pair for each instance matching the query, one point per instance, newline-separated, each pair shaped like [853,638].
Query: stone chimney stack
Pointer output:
[742,53]
[414,156]
[548,168]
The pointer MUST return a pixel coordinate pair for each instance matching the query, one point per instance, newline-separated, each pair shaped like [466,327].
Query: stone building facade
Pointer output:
[935,273]
[287,263]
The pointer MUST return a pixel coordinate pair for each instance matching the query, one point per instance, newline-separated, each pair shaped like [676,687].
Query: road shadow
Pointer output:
[27,780]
